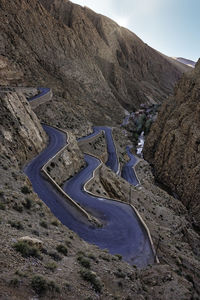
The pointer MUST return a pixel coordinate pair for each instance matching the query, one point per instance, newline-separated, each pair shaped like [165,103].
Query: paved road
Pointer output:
[45,190]
[128,172]
[126,237]
[122,232]
[42,92]
[112,161]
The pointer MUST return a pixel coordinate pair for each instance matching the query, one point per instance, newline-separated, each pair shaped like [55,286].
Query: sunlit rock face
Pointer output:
[22,135]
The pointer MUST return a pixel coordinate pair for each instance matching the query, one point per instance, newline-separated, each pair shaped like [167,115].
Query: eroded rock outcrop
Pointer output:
[173,145]
[22,135]
[67,163]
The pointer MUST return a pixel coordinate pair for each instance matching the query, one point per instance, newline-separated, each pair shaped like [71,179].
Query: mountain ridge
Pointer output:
[172,145]
[86,58]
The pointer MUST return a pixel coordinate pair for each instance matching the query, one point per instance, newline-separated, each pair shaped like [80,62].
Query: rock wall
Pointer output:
[173,145]
[22,136]
[66,164]
[95,146]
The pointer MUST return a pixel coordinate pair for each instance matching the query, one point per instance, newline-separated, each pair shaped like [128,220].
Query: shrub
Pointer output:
[81,253]
[189,278]
[52,286]
[84,262]
[62,249]
[92,256]
[2,206]
[55,222]
[119,274]
[25,190]
[21,274]
[26,250]
[55,256]
[104,257]
[14,282]
[39,284]
[16,224]
[40,203]
[67,285]
[51,266]
[120,284]
[35,232]
[68,243]
[119,256]
[44,224]
[91,277]
[44,250]
[18,207]
[28,203]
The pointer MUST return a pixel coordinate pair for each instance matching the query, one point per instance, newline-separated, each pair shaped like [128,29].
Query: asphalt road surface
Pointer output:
[42,92]
[128,172]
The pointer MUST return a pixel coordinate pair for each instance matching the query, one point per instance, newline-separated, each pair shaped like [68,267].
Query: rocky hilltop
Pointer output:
[173,143]
[85,57]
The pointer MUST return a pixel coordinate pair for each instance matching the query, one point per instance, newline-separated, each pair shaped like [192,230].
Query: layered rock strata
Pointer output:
[173,145]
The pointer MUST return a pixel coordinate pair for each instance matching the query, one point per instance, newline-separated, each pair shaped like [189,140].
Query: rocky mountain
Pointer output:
[173,143]
[22,135]
[85,57]
[96,70]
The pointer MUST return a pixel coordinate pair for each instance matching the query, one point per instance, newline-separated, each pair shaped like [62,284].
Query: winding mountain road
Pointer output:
[112,161]
[128,172]
[122,232]
[42,92]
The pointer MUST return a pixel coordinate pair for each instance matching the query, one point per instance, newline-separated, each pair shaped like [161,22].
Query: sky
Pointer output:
[169,26]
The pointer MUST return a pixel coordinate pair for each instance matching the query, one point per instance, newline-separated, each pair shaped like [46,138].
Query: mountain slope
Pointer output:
[87,58]
[173,143]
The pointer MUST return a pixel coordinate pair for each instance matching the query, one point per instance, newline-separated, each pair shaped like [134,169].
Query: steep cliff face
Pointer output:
[87,58]
[22,135]
[173,145]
